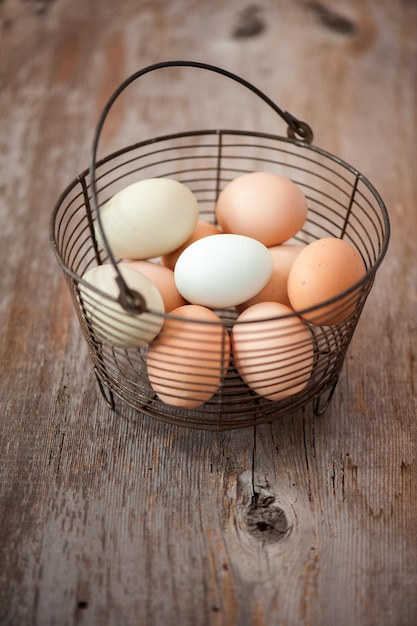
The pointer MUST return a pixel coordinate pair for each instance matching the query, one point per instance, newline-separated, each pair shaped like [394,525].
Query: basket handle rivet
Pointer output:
[132,301]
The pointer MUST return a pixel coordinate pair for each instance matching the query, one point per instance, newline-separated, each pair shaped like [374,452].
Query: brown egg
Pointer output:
[323,270]
[262,205]
[163,278]
[202,229]
[186,363]
[274,354]
[276,288]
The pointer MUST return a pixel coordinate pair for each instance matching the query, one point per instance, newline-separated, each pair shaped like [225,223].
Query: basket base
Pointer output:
[212,417]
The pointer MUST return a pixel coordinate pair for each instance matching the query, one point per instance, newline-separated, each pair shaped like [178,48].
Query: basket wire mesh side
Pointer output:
[341,203]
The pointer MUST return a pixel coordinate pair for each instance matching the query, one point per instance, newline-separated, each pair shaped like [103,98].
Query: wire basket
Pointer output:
[196,358]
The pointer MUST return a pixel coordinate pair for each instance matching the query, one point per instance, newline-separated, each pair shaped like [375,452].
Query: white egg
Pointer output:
[111,323]
[148,218]
[223,270]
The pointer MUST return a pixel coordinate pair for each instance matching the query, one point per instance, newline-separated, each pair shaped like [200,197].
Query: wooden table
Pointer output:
[121,519]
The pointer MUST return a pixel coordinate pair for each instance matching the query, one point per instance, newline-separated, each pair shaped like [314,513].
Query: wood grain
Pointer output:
[117,519]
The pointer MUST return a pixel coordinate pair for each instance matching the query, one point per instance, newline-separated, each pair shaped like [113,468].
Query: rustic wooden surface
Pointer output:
[122,520]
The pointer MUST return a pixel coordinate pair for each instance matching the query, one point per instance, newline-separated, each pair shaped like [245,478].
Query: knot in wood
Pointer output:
[250,23]
[265,520]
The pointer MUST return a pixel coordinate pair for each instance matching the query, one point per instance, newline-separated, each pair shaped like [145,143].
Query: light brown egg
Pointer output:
[274,354]
[323,270]
[186,363]
[276,288]
[202,229]
[262,205]
[163,278]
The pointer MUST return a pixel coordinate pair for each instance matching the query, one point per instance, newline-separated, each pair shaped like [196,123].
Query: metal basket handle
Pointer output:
[132,301]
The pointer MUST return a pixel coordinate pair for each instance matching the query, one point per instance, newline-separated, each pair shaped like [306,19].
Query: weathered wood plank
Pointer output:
[119,519]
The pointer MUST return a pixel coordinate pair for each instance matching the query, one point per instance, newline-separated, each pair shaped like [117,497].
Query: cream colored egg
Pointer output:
[202,229]
[163,278]
[322,271]
[148,218]
[111,323]
[186,363]
[262,205]
[274,354]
